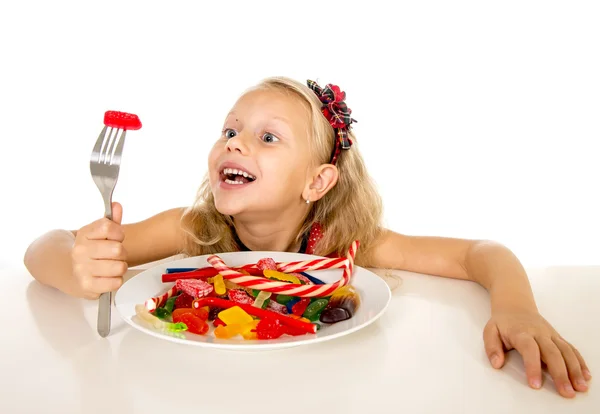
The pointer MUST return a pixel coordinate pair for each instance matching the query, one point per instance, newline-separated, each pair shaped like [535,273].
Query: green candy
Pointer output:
[162,313]
[170,304]
[284,299]
[313,311]
[177,327]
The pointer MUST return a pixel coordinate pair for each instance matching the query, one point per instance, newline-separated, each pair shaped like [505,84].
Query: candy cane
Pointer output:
[289,267]
[153,303]
[261,283]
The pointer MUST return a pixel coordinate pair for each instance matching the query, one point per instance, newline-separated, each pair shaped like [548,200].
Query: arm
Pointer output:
[490,264]
[515,323]
[51,258]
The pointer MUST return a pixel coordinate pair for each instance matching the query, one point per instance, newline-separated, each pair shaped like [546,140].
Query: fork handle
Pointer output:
[105,300]
[108,207]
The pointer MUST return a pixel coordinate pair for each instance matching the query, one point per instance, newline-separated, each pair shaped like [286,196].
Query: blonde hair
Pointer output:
[351,210]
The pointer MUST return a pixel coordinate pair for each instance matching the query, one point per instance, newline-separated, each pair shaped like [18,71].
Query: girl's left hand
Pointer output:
[537,341]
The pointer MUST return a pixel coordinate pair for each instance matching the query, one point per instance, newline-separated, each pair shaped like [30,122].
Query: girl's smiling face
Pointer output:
[260,164]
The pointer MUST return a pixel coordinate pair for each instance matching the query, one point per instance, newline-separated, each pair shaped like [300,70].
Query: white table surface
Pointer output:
[424,355]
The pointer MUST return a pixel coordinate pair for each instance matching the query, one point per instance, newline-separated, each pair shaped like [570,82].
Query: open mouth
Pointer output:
[236,177]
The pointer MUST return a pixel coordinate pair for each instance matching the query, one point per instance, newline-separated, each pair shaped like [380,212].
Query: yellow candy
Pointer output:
[235,315]
[281,276]
[219,284]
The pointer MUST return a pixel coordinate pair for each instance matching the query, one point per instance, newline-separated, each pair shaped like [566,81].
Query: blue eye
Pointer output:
[268,137]
[229,133]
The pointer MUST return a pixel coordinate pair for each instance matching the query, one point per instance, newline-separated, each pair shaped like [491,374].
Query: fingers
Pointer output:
[573,366]
[557,367]
[530,351]
[584,368]
[117,212]
[103,229]
[493,345]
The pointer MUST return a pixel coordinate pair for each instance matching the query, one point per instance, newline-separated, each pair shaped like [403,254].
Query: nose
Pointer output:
[237,144]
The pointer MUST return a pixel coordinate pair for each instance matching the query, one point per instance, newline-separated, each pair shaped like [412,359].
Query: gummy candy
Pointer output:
[170,303]
[218,322]
[284,299]
[194,287]
[277,307]
[235,315]
[262,299]
[266,264]
[303,279]
[179,312]
[213,313]
[162,313]
[313,311]
[300,306]
[260,313]
[202,313]
[341,306]
[219,284]
[274,274]
[154,322]
[240,296]
[183,301]
[269,328]
[291,304]
[194,323]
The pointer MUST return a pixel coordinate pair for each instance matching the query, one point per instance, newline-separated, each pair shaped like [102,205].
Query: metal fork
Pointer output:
[104,166]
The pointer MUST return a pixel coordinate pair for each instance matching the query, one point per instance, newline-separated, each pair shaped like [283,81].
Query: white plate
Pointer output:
[374,294]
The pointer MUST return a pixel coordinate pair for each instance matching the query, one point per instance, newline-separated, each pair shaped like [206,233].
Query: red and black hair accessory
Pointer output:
[337,113]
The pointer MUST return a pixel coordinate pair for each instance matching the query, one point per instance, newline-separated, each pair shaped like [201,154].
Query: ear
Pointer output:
[324,179]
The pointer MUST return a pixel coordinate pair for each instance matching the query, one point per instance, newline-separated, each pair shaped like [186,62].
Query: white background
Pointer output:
[477,119]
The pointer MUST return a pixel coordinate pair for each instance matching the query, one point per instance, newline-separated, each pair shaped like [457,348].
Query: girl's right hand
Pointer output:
[99,257]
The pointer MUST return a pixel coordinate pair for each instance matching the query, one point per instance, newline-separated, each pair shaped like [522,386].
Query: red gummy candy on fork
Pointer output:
[122,120]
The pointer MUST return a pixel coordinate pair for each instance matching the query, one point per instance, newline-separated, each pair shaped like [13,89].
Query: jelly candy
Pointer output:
[266,264]
[219,285]
[213,312]
[274,274]
[313,311]
[179,312]
[260,313]
[170,304]
[162,313]
[202,313]
[194,323]
[313,279]
[235,315]
[154,322]
[291,304]
[284,299]
[269,328]
[262,299]
[240,296]
[218,322]
[300,306]
[277,307]
[183,301]
[194,287]
[303,278]
[343,304]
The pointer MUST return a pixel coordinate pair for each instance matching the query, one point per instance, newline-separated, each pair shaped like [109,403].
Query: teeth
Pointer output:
[228,181]
[233,171]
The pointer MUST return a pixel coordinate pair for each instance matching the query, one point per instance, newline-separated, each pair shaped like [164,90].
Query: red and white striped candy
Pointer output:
[156,302]
[284,288]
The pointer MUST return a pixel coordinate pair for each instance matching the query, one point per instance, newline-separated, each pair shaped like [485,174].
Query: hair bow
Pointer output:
[337,113]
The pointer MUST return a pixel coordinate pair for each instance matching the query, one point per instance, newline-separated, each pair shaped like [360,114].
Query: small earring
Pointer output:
[307,201]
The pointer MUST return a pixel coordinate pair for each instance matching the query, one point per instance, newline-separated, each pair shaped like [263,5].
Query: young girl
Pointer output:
[286,175]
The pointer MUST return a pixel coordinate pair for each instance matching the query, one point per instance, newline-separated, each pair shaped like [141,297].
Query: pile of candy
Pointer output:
[261,301]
